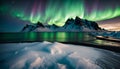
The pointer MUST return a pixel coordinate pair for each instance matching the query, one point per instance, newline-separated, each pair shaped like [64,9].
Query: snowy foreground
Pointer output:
[46,55]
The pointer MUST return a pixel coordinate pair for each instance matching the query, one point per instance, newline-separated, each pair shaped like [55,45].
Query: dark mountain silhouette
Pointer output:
[76,24]
[73,25]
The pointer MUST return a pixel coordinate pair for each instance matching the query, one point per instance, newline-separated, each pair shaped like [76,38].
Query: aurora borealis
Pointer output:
[58,11]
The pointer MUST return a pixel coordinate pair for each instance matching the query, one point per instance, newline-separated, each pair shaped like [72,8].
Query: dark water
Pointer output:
[45,36]
[71,37]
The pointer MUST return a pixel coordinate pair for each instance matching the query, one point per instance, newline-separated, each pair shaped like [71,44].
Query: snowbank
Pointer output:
[46,55]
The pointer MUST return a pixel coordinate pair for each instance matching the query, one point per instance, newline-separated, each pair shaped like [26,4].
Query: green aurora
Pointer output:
[58,11]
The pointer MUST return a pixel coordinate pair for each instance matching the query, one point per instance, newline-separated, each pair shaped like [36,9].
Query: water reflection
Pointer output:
[104,42]
[77,37]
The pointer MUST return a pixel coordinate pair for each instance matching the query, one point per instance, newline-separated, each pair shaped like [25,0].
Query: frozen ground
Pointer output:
[46,55]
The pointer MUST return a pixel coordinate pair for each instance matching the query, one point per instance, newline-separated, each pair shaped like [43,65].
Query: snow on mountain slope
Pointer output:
[76,24]
[73,25]
[46,55]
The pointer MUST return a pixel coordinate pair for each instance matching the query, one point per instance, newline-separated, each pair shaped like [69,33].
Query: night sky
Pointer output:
[14,14]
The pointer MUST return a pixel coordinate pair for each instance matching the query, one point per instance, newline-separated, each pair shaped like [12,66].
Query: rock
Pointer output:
[76,24]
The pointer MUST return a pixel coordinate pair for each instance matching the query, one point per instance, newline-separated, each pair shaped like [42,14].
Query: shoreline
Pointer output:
[106,47]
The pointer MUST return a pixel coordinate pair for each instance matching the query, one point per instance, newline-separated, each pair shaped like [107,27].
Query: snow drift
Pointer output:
[46,55]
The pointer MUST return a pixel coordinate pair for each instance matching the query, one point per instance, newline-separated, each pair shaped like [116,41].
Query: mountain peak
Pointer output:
[76,24]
